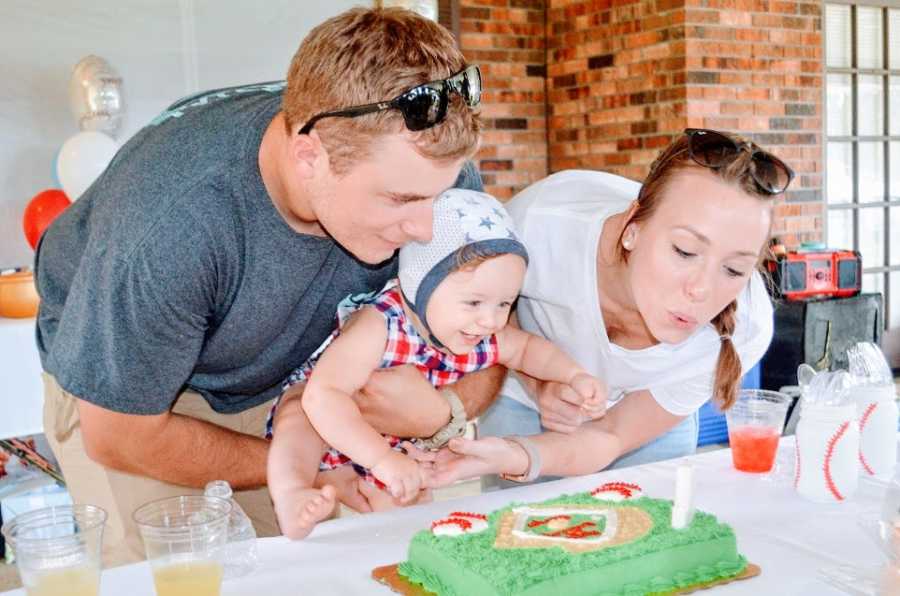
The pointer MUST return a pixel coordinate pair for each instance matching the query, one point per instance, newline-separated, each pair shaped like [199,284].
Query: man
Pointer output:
[207,261]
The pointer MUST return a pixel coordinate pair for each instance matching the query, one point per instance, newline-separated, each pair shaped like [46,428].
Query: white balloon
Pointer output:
[82,159]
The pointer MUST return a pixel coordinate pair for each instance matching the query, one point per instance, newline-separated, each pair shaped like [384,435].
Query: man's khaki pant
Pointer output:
[120,494]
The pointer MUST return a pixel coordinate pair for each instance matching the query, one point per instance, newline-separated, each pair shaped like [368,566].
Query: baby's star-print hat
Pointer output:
[462,219]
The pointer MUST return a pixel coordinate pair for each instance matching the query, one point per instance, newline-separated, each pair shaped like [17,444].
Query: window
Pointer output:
[862,131]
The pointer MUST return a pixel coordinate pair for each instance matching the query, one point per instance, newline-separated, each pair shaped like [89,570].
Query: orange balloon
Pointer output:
[41,211]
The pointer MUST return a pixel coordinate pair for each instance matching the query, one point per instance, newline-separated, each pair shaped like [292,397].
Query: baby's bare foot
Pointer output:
[312,506]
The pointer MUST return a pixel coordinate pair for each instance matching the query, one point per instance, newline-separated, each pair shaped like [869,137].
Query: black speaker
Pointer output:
[796,276]
[818,333]
[849,273]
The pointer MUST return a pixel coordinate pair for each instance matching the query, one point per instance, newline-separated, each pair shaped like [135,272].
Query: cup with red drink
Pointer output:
[755,423]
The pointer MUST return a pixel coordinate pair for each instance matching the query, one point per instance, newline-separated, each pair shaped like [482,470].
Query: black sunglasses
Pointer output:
[423,106]
[713,149]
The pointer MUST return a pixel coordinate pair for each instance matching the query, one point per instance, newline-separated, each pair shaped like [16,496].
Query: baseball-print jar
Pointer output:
[826,465]
[876,408]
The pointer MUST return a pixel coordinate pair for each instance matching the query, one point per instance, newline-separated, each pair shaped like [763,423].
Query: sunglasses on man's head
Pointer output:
[423,106]
[713,149]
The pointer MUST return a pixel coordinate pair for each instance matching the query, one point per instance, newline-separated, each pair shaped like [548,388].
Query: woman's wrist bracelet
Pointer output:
[534,460]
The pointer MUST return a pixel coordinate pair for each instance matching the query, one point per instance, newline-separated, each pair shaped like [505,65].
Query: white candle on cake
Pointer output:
[683,505]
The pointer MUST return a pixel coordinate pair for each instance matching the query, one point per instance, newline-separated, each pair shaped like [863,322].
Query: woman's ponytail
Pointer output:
[728,367]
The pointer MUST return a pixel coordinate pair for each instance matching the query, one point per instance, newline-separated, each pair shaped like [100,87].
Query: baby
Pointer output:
[447,314]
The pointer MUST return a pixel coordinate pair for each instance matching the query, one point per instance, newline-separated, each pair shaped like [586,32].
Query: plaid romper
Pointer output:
[404,346]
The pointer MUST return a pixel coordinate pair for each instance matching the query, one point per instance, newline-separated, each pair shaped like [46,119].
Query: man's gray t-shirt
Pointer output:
[175,270]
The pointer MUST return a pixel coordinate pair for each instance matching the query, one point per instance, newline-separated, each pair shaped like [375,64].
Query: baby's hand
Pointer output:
[593,390]
[401,474]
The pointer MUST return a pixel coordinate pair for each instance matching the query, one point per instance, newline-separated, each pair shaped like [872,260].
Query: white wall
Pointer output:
[163,49]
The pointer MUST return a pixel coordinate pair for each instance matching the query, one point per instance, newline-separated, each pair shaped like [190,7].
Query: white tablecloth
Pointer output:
[789,537]
[21,389]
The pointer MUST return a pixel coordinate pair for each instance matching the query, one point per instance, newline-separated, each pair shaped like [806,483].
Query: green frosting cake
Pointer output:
[610,541]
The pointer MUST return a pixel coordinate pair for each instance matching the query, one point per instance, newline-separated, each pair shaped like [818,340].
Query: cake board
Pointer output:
[389,576]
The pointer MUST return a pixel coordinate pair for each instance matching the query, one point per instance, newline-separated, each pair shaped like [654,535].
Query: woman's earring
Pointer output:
[628,240]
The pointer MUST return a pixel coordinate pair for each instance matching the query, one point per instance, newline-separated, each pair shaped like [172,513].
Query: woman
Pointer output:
[653,289]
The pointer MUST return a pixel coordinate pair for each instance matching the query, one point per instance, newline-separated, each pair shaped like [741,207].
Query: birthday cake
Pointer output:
[612,540]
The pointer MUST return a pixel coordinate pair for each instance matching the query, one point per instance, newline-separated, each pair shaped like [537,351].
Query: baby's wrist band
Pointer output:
[455,428]
[534,460]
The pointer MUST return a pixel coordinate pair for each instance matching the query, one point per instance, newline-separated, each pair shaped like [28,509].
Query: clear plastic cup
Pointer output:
[185,539]
[755,423]
[58,549]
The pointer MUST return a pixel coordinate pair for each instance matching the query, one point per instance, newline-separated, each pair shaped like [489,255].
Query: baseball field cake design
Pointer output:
[609,541]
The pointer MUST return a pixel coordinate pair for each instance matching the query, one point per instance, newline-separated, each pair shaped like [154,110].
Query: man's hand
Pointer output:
[561,407]
[400,401]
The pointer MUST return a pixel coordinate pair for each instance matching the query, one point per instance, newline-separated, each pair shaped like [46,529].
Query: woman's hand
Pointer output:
[463,459]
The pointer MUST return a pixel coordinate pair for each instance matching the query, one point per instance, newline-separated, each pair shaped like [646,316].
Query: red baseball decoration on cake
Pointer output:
[458,523]
[559,526]
[617,491]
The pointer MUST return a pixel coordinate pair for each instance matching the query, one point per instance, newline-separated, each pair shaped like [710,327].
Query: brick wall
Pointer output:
[507,39]
[623,76]
[757,66]
[616,83]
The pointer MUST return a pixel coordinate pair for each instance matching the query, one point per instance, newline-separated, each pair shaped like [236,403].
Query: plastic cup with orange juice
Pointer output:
[58,549]
[185,538]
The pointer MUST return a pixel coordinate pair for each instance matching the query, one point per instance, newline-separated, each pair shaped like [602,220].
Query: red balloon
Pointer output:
[41,211]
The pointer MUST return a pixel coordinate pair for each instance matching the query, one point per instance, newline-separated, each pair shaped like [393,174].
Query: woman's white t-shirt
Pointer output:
[560,220]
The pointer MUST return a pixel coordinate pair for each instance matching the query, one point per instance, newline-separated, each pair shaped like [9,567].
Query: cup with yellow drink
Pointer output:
[57,549]
[185,538]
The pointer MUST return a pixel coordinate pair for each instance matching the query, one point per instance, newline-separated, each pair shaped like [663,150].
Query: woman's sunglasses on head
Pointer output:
[713,149]
[422,106]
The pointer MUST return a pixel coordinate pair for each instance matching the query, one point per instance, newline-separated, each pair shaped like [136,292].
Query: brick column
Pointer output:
[507,39]
[625,76]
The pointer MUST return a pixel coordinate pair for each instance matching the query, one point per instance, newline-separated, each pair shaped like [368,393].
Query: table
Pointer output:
[21,388]
[789,537]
